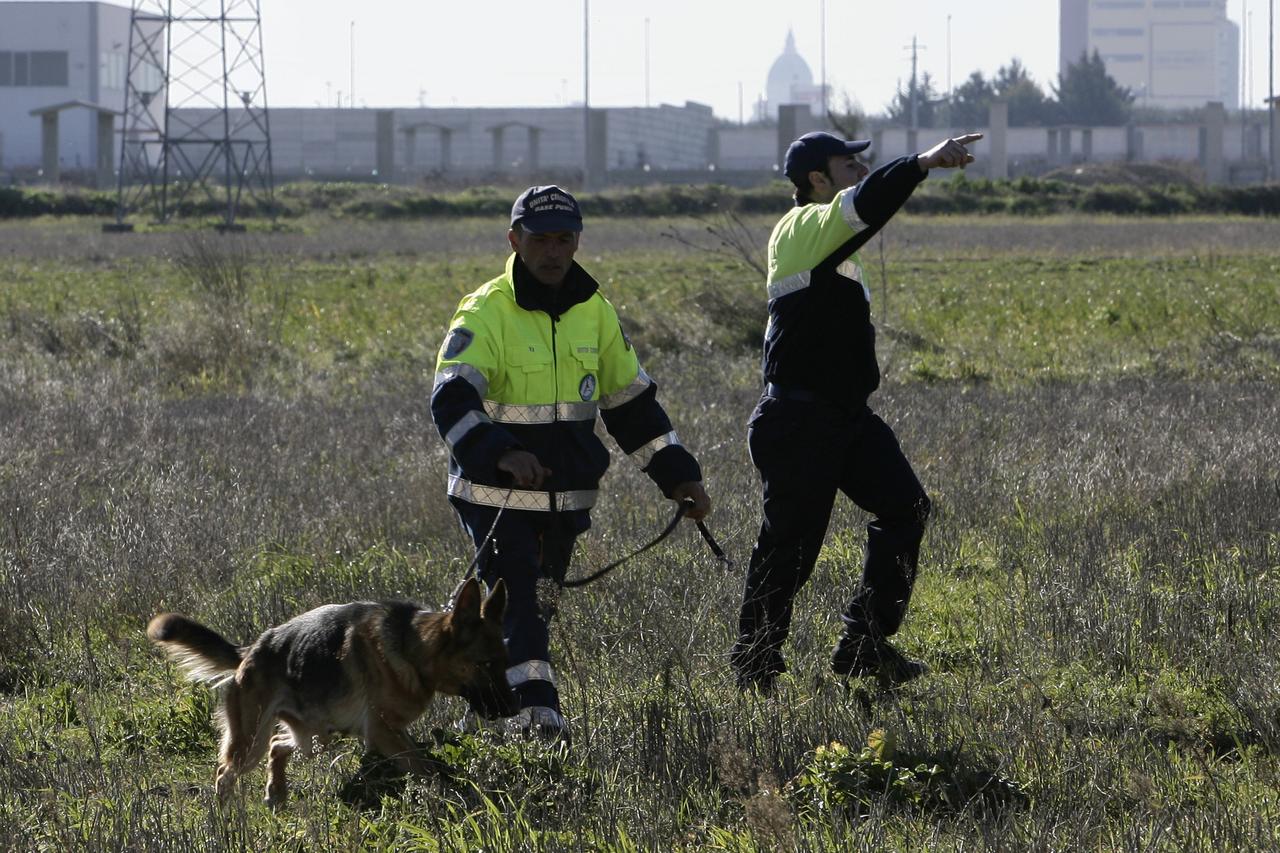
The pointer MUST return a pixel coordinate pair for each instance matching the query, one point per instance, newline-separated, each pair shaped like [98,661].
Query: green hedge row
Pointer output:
[1024,196]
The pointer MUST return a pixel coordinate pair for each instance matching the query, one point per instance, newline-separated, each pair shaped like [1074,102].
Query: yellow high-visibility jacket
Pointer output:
[820,340]
[527,366]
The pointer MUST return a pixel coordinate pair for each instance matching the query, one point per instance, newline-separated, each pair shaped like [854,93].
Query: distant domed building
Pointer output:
[790,82]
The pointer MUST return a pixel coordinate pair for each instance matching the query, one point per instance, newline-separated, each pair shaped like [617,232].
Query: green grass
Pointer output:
[238,429]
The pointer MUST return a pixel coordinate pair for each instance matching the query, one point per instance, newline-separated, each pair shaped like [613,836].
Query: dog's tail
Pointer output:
[204,654]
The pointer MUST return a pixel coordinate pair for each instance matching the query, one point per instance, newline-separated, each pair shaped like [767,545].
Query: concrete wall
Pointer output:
[747,148]
[665,138]
[516,141]
[678,144]
[1222,148]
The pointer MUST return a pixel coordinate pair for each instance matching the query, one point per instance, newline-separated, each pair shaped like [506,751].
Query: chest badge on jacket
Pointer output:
[587,387]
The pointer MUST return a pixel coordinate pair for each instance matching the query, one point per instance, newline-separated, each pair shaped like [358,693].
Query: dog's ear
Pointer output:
[495,606]
[466,603]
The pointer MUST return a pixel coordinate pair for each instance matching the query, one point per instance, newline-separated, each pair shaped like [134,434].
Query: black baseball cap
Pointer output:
[542,209]
[810,153]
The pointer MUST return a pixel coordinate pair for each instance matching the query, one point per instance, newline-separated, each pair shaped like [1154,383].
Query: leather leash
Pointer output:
[681,508]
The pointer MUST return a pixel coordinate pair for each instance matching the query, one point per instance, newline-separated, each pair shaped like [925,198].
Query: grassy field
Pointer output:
[237,428]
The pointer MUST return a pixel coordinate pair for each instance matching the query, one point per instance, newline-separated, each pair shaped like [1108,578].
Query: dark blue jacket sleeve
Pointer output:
[475,442]
[639,425]
[886,189]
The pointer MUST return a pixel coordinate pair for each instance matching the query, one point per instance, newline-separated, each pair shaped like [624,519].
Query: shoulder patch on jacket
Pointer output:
[459,339]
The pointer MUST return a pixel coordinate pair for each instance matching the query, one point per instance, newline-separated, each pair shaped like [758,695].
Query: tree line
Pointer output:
[1085,94]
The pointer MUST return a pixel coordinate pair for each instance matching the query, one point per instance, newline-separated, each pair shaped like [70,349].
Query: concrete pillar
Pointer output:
[49,147]
[1215,124]
[597,148]
[1132,143]
[498,165]
[1064,145]
[1052,148]
[1253,142]
[446,149]
[106,150]
[788,129]
[535,138]
[1274,147]
[1086,143]
[998,140]
[410,146]
[386,145]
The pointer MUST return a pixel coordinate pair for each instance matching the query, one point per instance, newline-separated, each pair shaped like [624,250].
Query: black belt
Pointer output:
[798,394]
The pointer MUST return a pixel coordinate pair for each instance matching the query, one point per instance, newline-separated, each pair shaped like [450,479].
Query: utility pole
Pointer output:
[351,92]
[822,34]
[586,94]
[1271,88]
[646,62]
[911,89]
[1244,65]
[948,59]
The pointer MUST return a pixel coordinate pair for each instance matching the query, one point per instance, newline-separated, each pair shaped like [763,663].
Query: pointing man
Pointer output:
[813,433]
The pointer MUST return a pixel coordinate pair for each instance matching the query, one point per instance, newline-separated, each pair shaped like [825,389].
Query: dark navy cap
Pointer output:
[810,153]
[543,209]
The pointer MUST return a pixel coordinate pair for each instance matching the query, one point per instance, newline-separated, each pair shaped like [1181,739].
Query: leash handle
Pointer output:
[714,545]
[682,508]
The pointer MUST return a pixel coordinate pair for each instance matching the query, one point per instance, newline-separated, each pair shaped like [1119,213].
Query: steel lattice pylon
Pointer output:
[195,128]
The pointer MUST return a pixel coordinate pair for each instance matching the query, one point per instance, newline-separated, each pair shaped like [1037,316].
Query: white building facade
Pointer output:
[55,53]
[1169,53]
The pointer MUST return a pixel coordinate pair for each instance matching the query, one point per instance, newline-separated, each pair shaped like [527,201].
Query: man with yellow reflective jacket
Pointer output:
[813,434]
[531,357]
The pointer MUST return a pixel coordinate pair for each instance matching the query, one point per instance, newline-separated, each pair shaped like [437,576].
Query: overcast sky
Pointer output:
[530,52]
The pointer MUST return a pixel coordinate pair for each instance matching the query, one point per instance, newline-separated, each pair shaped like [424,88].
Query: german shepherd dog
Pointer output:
[367,669]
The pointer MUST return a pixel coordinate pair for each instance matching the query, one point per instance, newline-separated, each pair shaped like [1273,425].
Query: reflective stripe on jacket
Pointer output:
[524,366]
[820,338]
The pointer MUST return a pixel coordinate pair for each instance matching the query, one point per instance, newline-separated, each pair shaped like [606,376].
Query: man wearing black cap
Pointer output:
[531,357]
[812,433]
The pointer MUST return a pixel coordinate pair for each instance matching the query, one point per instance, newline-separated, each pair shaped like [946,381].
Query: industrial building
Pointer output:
[62,71]
[1170,53]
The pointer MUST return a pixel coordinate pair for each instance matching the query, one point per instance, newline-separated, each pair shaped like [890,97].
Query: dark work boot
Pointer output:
[755,669]
[856,657]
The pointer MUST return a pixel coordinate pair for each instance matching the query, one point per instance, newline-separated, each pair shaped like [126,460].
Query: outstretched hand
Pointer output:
[695,496]
[949,153]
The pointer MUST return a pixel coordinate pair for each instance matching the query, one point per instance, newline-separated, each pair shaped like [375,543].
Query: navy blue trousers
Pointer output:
[526,547]
[806,452]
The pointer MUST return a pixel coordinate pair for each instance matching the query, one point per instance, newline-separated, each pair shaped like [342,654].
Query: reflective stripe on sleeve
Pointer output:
[848,211]
[530,670]
[790,284]
[465,425]
[852,269]
[626,395]
[544,413]
[462,371]
[482,495]
[644,455]
[800,280]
